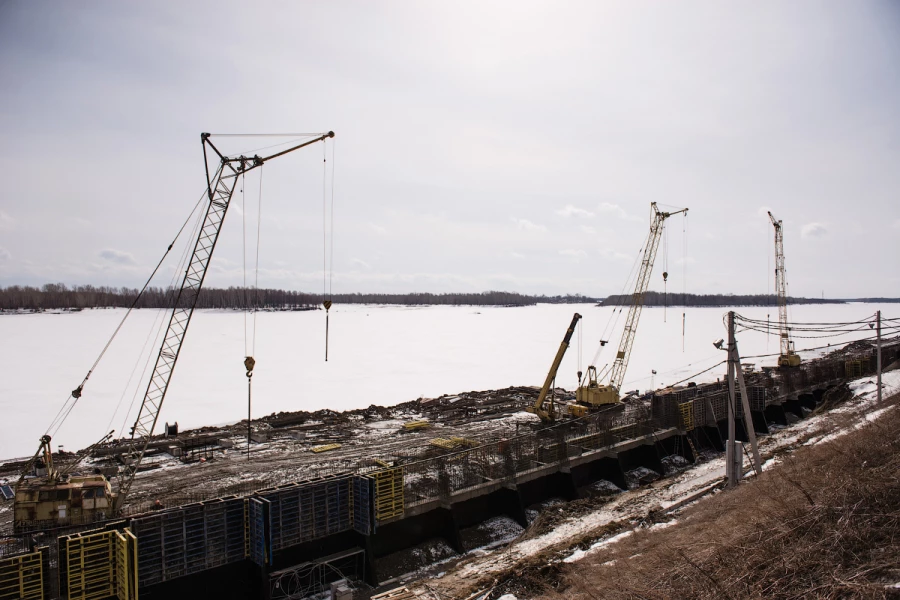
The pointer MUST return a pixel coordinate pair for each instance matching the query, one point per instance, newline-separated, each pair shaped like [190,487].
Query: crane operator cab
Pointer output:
[592,394]
[47,498]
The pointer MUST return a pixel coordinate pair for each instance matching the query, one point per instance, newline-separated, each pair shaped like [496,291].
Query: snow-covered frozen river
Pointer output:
[378,355]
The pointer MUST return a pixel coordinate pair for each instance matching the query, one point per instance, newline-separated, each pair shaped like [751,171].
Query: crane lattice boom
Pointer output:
[592,393]
[219,191]
[788,357]
[617,372]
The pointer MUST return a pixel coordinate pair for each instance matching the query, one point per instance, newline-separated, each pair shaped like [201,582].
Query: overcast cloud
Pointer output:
[512,146]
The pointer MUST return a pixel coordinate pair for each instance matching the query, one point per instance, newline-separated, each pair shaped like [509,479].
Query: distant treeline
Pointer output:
[660,299]
[60,296]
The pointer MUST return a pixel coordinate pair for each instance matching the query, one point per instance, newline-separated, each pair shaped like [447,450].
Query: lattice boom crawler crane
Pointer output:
[52,498]
[592,393]
[787,358]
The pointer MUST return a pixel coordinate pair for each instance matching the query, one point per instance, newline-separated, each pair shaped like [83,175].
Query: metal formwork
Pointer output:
[856,368]
[260,527]
[362,504]
[388,493]
[90,565]
[189,539]
[126,565]
[686,413]
[308,510]
[22,577]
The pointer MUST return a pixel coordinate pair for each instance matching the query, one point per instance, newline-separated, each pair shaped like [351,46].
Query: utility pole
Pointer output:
[748,416]
[732,453]
[878,358]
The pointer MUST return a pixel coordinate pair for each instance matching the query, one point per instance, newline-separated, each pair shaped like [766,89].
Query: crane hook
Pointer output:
[249,363]
[665,275]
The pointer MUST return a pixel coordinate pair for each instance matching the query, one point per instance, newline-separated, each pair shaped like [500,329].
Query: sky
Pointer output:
[479,146]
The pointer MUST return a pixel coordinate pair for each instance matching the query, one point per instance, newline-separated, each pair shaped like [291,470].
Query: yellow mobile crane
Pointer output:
[549,415]
[591,393]
[787,358]
[48,498]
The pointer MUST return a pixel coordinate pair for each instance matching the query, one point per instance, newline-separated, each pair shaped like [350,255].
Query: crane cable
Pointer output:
[665,270]
[75,394]
[250,341]
[684,258]
[327,257]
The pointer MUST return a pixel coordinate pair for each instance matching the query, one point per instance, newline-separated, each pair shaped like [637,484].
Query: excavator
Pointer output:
[549,415]
[591,393]
[45,497]
[787,357]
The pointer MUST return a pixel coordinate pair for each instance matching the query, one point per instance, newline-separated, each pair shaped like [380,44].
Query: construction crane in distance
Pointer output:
[549,415]
[37,492]
[787,356]
[591,393]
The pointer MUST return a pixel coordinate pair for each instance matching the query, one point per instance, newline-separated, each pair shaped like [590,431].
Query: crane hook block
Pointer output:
[665,275]
[76,393]
[249,363]
[327,304]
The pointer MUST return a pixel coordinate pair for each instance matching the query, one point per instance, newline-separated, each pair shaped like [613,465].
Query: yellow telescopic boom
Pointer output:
[546,415]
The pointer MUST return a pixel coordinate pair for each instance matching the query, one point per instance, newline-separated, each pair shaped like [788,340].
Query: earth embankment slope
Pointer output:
[825,523]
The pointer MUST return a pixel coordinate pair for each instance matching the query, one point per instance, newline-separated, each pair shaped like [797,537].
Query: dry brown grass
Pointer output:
[824,524]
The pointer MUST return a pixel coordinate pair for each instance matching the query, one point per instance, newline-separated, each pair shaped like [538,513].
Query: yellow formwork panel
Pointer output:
[624,432]
[686,414]
[22,577]
[465,442]
[126,565]
[443,443]
[388,493]
[325,448]
[90,566]
[416,425]
[855,368]
[453,443]
[400,593]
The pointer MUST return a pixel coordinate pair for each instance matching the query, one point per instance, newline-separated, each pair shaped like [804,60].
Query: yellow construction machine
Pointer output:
[788,357]
[52,496]
[46,498]
[548,415]
[591,392]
